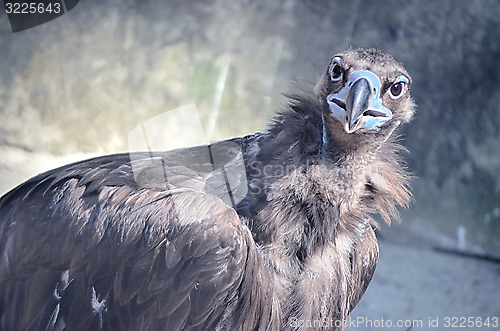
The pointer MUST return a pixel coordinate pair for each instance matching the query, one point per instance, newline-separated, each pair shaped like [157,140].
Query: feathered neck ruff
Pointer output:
[333,183]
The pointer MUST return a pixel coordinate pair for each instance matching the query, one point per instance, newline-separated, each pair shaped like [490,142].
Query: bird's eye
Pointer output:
[397,90]
[336,72]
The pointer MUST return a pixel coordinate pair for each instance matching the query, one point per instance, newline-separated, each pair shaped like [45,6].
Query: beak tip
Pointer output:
[350,127]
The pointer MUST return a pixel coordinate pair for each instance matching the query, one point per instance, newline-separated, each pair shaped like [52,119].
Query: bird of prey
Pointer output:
[272,231]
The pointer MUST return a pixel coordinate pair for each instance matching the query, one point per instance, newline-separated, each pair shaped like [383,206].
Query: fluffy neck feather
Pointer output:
[309,206]
[324,181]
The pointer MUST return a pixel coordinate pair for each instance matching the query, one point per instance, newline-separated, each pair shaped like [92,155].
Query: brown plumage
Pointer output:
[265,232]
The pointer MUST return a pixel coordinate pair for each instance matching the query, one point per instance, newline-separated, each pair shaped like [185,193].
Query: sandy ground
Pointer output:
[414,285]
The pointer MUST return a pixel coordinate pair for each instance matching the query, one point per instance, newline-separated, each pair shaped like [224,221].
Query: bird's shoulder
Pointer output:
[197,168]
[126,236]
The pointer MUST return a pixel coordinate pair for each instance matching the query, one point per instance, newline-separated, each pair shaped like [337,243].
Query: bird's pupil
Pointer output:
[336,71]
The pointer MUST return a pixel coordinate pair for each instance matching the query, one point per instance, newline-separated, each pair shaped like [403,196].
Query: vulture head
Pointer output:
[365,96]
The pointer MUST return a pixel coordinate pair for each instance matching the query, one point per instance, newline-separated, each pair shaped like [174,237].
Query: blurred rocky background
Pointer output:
[78,85]
[82,82]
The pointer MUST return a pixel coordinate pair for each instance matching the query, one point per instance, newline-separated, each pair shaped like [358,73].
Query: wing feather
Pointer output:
[87,246]
[364,261]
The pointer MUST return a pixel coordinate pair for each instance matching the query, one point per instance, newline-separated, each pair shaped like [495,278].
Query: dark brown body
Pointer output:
[187,240]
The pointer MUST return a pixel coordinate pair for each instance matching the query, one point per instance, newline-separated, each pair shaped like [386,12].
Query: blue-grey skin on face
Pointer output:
[358,105]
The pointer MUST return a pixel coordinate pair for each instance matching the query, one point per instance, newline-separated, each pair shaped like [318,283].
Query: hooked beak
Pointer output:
[359,105]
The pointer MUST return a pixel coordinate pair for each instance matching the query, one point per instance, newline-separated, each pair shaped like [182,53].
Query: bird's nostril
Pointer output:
[374,113]
[339,103]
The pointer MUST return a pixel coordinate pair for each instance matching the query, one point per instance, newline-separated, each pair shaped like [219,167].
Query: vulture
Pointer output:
[271,231]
